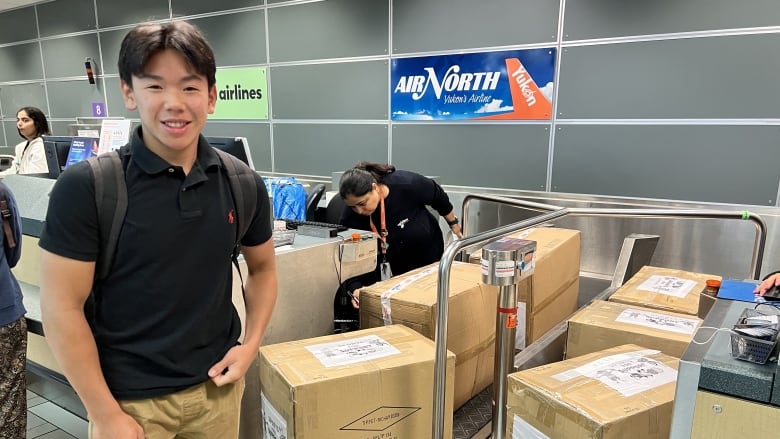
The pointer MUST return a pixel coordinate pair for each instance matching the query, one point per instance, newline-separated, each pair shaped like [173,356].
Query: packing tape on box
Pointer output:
[555,295]
[468,354]
[387,312]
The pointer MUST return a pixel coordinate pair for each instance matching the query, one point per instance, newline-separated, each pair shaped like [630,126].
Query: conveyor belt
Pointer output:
[473,415]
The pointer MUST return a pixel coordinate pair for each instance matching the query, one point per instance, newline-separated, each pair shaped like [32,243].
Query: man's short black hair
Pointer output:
[147,40]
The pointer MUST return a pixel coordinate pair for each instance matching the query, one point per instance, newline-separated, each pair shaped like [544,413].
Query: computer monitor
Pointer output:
[56,149]
[235,146]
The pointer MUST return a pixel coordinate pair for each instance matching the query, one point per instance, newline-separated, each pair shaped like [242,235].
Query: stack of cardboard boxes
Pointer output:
[608,388]
[546,299]
[410,300]
[379,379]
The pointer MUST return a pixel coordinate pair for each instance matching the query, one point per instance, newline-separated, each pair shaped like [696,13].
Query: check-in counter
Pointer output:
[719,397]
[309,272]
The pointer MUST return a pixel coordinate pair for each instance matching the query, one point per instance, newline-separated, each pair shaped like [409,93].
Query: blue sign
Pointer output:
[508,85]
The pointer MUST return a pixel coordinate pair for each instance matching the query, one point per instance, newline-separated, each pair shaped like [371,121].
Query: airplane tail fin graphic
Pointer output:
[528,101]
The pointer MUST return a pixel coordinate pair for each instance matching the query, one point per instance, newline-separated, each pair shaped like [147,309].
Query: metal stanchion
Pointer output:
[504,263]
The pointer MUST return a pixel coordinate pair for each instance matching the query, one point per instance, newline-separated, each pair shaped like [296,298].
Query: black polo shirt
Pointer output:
[164,315]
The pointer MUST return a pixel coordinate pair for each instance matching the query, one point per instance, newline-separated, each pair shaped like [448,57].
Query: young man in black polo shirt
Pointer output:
[161,358]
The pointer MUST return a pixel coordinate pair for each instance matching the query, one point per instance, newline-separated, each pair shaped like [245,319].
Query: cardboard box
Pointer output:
[602,325]
[664,288]
[410,300]
[622,392]
[374,383]
[550,295]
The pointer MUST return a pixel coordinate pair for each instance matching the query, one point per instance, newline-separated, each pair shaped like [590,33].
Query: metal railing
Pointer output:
[553,212]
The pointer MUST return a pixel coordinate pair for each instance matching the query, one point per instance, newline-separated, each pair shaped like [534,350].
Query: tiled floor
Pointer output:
[53,410]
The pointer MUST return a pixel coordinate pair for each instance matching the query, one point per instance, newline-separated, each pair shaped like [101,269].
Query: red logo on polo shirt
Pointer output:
[231,217]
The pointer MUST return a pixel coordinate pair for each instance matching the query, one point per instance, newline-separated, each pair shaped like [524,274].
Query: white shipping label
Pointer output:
[663,322]
[274,425]
[520,331]
[524,430]
[668,285]
[634,375]
[356,350]
[601,363]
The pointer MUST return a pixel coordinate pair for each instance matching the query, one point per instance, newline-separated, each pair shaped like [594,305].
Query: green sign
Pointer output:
[241,94]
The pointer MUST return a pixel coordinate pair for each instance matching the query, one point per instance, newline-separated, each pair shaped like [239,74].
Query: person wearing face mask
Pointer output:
[393,204]
[30,157]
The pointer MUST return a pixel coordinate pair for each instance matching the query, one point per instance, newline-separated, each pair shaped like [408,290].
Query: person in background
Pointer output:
[13,327]
[393,204]
[160,357]
[30,157]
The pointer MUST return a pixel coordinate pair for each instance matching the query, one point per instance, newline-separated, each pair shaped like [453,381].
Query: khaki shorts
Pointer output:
[204,411]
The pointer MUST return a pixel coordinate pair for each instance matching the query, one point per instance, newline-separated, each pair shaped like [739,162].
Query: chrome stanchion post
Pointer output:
[504,263]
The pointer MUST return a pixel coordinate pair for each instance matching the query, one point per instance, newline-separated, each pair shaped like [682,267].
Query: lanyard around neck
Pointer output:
[383,235]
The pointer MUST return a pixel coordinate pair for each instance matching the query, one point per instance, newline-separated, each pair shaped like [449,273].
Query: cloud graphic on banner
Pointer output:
[494,106]
[547,91]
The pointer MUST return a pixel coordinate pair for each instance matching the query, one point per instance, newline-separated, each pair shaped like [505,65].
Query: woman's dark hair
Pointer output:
[38,118]
[147,40]
[357,181]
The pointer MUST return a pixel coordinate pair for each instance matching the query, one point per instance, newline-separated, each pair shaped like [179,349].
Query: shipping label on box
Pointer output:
[367,384]
[602,325]
[618,393]
[665,289]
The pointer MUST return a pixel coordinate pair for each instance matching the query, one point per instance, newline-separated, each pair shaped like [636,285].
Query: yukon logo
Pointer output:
[453,80]
[524,81]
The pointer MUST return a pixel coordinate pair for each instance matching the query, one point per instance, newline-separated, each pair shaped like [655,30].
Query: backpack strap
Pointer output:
[5,211]
[243,186]
[111,204]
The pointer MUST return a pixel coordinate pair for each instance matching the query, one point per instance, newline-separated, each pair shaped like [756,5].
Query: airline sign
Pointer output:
[508,85]
[241,94]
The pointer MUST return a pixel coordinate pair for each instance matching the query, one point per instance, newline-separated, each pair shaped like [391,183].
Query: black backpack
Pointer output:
[111,202]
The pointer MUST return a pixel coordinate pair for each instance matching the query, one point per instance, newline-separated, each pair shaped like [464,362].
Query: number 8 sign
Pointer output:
[98,109]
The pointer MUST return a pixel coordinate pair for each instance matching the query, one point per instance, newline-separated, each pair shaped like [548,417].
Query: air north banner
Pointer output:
[241,94]
[508,85]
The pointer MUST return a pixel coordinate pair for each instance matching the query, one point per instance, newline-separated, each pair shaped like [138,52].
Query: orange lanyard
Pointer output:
[383,235]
